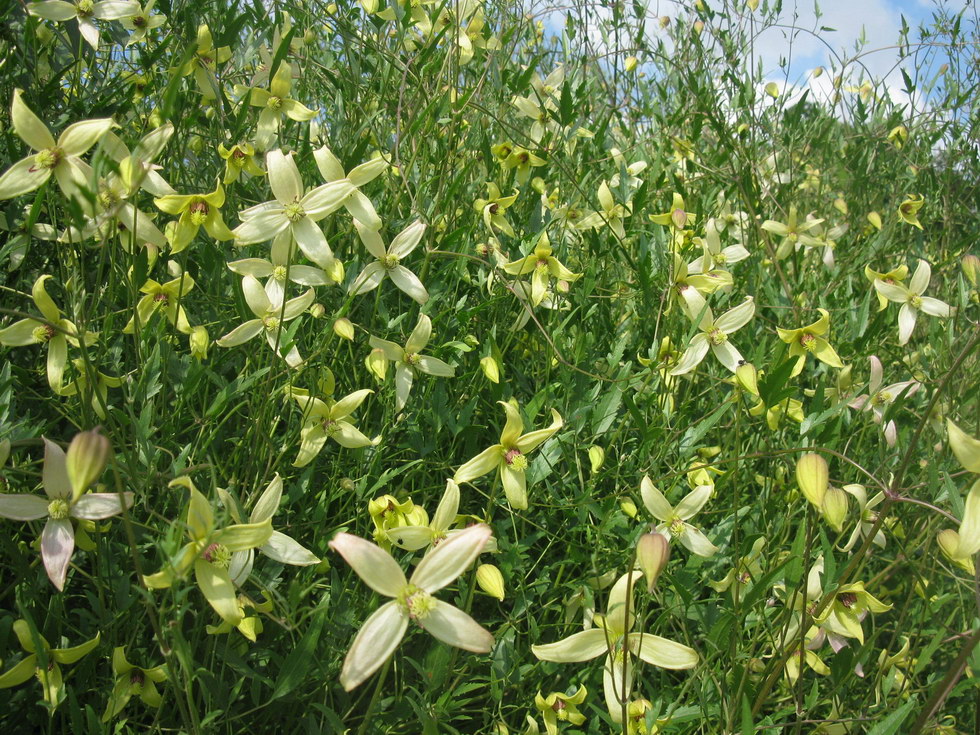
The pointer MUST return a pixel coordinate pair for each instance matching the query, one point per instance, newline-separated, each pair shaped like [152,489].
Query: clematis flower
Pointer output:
[413,600]
[960,546]
[413,537]
[209,553]
[53,330]
[677,217]
[43,664]
[908,210]
[713,255]
[793,232]
[65,480]
[140,23]
[674,519]
[898,275]
[851,603]
[204,65]
[408,360]
[543,266]
[86,12]
[714,335]
[610,214]
[275,102]
[493,208]
[560,707]
[239,158]
[133,681]
[168,297]
[615,637]
[295,212]
[388,263]
[912,300]
[60,157]
[328,419]
[810,339]
[280,269]
[269,318]
[194,210]
[388,513]
[866,517]
[280,547]
[540,112]
[91,382]
[509,457]
[357,204]
[744,574]
[878,399]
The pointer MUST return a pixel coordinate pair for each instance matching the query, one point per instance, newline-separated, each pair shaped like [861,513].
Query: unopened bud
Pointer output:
[199,342]
[772,89]
[812,475]
[344,329]
[698,26]
[597,455]
[652,553]
[840,205]
[875,219]
[971,268]
[748,378]
[834,508]
[491,368]
[87,456]
[317,310]
[664,21]
[630,64]
[629,508]
[4,451]
[817,72]
[752,4]
[490,580]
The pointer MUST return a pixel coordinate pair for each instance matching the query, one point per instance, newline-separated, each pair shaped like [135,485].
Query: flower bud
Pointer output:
[199,342]
[317,310]
[87,456]
[898,136]
[491,368]
[817,72]
[377,364]
[698,26]
[840,205]
[949,542]
[652,553]
[875,219]
[747,378]
[630,63]
[664,21]
[597,455]
[490,580]
[344,329]
[629,508]
[812,475]
[772,89]
[971,268]
[834,508]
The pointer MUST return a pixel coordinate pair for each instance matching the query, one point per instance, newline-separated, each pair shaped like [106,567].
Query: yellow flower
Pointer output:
[205,63]
[543,266]
[810,340]
[560,707]
[194,210]
[908,210]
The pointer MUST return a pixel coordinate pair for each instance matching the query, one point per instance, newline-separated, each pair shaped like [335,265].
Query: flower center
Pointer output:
[541,266]
[48,158]
[199,213]
[294,211]
[389,261]
[274,103]
[136,680]
[85,7]
[717,337]
[847,599]
[719,258]
[279,273]
[676,526]
[880,399]
[107,198]
[139,21]
[413,359]
[217,554]
[515,459]
[494,208]
[161,298]
[808,342]
[271,323]
[331,427]
[416,602]
[58,509]
[42,333]
[915,301]
[559,707]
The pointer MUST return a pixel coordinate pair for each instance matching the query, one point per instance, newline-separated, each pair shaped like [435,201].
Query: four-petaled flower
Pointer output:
[674,520]
[194,210]
[912,300]
[543,266]
[388,263]
[66,499]
[413,599]
[86,12]
[509,457]
[878,399]
[133,681]
[60,157]
[560,707]
[714,334]
[613,636]
[275,102]
[810,340]
[328,419]
[408,360]
[209,553]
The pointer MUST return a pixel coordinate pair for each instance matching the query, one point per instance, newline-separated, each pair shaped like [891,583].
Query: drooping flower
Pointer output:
[167,297]
[413,600]
[560,707]
[209,553]
[912,300]
[413,537]
[878,399]
[239,158]
[388,263]
[614,636]
[49,674]
[908,210]
[509,457]
[493,208]
[409,361]
[133,681]
[60,158]
[610,213]
[674,519]
[204,64]
[65,480]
